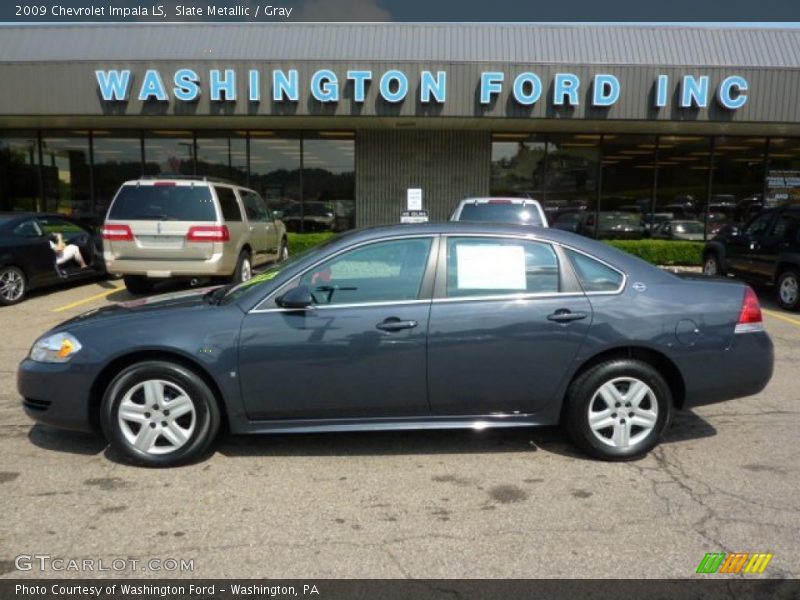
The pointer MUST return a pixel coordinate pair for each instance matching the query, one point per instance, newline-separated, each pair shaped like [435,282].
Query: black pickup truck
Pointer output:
[765,250]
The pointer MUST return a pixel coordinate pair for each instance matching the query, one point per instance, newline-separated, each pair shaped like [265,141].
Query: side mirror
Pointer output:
[277,214]
[298,298]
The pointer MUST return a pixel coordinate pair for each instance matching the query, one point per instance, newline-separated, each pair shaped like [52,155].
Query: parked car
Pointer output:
[679,230]
[441,325]
[765,250]
[28,261]
[606,224]
[522,211]
[309,216]
[189,227]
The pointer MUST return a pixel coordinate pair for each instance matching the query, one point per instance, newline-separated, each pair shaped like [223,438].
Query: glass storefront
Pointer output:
[66,173]
[645,180]
[20,184]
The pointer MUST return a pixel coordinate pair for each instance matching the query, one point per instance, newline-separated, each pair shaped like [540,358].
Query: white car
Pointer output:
[522,211]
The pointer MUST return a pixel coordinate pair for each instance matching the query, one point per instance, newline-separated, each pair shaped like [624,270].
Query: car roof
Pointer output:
[187,181]
[488,199]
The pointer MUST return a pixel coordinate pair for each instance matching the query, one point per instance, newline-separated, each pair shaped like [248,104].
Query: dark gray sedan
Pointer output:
[451,325]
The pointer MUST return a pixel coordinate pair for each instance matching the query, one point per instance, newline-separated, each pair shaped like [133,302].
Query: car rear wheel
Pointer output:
[789,290]
[137,284]
[13,285]
[712,265]
[283,250]
[618,409]
[159,414]
[244,268]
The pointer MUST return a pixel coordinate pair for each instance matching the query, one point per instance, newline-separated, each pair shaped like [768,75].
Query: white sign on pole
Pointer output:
[414,199]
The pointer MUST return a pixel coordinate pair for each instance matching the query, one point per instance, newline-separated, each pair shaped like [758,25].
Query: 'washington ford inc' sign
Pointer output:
[394,86]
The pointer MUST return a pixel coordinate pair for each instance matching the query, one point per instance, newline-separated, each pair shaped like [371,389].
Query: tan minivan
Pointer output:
[158,228]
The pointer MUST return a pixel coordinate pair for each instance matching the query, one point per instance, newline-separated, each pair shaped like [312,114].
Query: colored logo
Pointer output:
[736,562]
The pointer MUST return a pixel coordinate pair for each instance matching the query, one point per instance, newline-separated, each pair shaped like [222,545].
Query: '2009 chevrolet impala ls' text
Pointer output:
[451,325]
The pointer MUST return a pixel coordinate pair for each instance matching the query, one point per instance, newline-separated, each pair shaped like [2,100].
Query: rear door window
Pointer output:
[255,207]
[163,203]
[228,204]
[497,266]
[593,275]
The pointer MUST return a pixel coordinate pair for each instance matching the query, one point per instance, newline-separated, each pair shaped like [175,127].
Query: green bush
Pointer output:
[663,252]
[299,242]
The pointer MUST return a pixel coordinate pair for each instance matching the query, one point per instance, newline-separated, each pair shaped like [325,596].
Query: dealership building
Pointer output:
[348,117]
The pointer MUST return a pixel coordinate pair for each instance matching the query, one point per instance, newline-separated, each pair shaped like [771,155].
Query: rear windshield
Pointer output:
[163,203]
[501,213]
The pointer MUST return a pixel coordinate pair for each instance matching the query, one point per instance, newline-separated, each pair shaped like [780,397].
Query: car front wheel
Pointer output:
[159,414]
[712,265]
[13,285]
[789,290]
[283,251]
[244,268]
[617,410]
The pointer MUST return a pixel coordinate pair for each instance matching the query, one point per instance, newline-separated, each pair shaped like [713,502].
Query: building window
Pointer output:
[223,156]
[783,171]
[629,163]
[571,182]
[275,169]
[518,165]
[329,190]
[66,174]
[682,187]
[19,172]
[737,183]
[117,159]
[169,153]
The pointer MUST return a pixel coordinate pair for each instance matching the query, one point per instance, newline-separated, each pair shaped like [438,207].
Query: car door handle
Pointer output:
[564,315]
[395,324]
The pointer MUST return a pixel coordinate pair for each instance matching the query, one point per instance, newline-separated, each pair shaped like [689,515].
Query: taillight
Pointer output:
[117,233]
[208,233]
[750,315]
[499,201]
[164,183]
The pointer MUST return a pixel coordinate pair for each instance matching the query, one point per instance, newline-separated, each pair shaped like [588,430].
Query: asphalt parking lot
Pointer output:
[517,503]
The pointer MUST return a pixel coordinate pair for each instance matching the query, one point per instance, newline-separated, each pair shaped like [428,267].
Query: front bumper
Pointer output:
[58,395]
[743,369]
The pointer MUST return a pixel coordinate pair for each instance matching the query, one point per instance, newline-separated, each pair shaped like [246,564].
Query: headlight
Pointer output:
[56,348]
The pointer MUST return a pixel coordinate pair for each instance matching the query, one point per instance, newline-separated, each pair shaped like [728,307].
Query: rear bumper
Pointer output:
[56,394]
[743,369]
[218,265]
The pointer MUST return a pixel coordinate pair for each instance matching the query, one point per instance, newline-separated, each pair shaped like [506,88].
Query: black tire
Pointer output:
[138,284]
[244,268]
[788,290]
[712,265]
[283,251]
[583,393]
[13,285]
[206,417]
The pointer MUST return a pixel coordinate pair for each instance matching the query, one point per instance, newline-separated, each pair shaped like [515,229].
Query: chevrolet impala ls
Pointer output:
[436,326]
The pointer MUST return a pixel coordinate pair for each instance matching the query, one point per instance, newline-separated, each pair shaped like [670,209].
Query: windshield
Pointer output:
[164,203]
[689,228]
[501,213]
[619,219]
[237,291]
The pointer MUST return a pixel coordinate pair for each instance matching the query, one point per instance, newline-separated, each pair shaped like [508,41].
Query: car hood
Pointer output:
[184,300]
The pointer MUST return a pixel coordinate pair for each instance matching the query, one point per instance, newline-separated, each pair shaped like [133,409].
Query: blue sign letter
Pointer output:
[662,91]
[360,79]
[255,86]
[186,87]
[605,91]
[566,86]
[226,86]
[325,86]
[386,86]
[283,85]
[436,86]
[114,85]
[491,83]
[694,91]
[520,95]
[153,86]
[726,89]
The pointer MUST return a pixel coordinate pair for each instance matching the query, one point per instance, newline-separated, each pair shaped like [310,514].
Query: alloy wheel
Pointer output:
[789,290]
[247,270]
[12,285]
[623,412]
[157,416]
[710,266]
